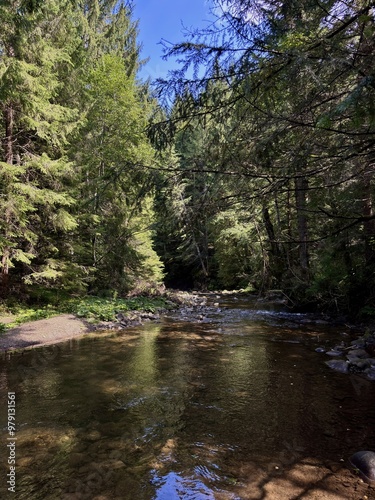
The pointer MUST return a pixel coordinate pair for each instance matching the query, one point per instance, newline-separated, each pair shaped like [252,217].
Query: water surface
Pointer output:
[206,407]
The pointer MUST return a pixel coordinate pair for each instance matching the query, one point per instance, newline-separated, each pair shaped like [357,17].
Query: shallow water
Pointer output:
[205,407]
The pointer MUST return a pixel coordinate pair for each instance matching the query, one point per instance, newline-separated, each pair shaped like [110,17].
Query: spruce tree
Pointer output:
[116,186]
[34,170]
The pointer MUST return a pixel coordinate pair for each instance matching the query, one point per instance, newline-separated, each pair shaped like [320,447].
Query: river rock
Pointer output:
[320,349]
[109,429]
[364,463]
[359,343]
[91,435]
[334,352]
[359,353]
[358,365]
[339,365]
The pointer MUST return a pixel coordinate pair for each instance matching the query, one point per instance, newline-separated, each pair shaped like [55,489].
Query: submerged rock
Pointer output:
[358,365]
[340,365]
[320,349]
[358,361]
[364,463]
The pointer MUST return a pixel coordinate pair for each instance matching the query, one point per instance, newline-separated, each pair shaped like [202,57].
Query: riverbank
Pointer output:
[44,332]
[93,316]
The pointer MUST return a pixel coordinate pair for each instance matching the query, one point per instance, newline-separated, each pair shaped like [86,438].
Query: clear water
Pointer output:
[203,408]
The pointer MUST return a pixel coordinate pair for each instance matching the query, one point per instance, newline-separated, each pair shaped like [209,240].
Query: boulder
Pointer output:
[358,353]
[364,463]
[358,365]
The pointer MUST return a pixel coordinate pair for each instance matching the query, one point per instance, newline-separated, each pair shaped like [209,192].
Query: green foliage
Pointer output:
[26,314]
[75,197]
[235,249]
[267,181]
[367,312]
[91,308]
[116,186]
[288,141]
[106,309]
[35,202]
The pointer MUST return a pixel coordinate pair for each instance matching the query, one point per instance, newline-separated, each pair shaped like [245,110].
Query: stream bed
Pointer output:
[229,403]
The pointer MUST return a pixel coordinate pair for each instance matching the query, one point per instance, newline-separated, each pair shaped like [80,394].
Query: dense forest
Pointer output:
[250,167]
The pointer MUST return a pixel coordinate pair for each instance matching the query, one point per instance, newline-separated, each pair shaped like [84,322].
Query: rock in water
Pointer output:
[364,463]
[339,365]
[334,352]
[358,353]
[320,349]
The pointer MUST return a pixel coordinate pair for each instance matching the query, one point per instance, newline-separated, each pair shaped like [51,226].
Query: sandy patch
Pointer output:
[44,332]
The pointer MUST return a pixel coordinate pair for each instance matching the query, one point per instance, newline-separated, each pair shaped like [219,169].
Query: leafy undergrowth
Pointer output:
[22,314]
[106,309]
[92,308]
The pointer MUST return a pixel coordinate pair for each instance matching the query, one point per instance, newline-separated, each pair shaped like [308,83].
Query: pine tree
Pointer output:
[35,127]
[116,186]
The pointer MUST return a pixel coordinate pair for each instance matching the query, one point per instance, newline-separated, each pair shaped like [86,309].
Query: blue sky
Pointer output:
[166,19]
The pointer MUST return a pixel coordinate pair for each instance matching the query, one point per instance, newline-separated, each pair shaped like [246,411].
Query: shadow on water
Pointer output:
[233,405]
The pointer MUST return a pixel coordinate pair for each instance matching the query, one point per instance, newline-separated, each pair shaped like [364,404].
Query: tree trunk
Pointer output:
[276,259]
[368,225]
[270,232]
[301,187]
[8,115]
[8,140]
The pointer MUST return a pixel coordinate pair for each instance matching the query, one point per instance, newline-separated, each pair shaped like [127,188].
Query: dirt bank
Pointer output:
[44,332]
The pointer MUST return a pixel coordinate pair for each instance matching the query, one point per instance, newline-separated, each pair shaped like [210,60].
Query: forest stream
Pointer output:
[232,403]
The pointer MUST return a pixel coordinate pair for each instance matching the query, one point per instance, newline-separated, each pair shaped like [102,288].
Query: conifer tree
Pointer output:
[301,106]
[35,127]
[116,188]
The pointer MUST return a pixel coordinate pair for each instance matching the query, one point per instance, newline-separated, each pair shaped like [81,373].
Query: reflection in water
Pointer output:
[174,487]
[182,410]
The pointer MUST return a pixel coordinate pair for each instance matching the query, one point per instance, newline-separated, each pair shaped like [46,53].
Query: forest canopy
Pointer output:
[250,166]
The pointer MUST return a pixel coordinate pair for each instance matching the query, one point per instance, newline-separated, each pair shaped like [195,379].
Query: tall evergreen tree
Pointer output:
[116,188]
[34,202]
